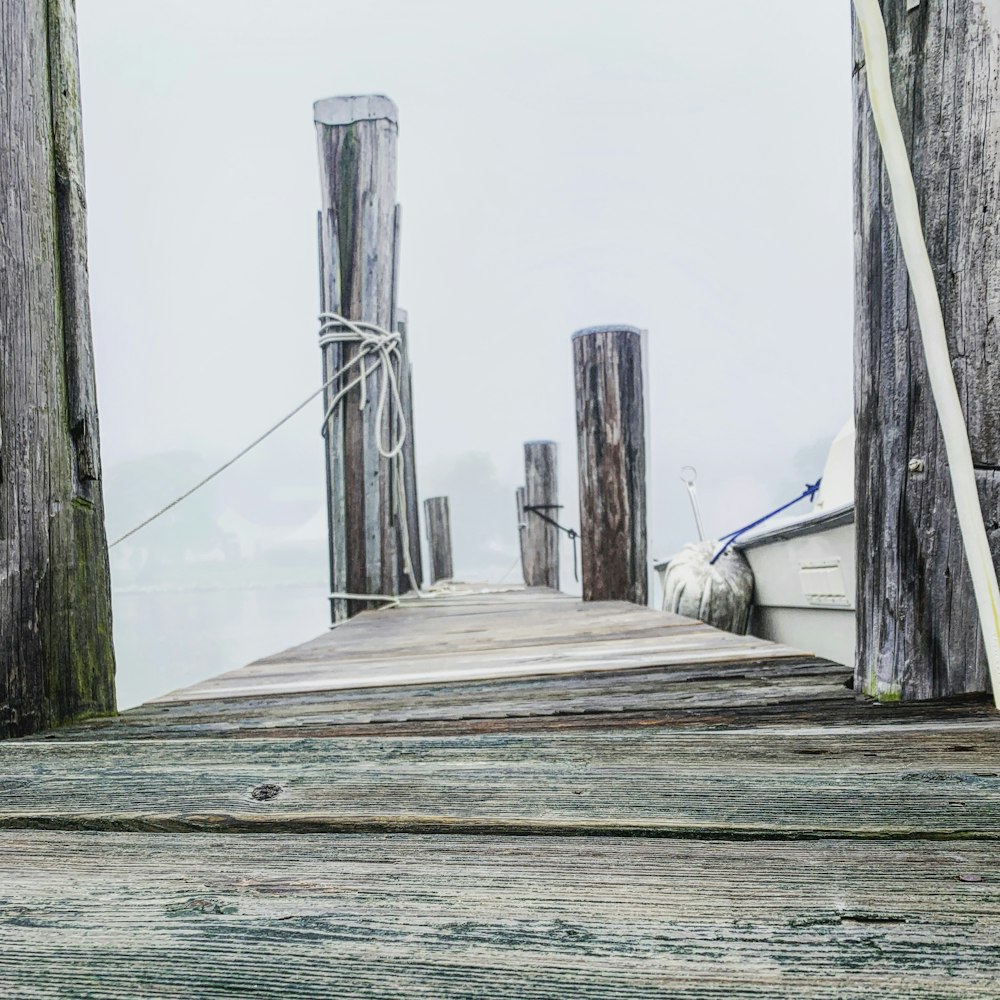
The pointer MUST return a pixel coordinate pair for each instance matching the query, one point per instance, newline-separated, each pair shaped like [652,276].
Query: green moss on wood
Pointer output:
[881,692]
[58,666]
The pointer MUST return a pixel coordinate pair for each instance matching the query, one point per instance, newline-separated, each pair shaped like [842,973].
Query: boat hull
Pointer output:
[804,584]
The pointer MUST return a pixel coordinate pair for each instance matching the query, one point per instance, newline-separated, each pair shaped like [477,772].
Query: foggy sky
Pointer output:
[681,167]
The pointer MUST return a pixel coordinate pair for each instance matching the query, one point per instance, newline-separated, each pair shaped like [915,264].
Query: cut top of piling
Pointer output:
[355,108]
[609,328]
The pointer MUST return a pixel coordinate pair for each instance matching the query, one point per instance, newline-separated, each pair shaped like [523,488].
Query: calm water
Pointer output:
[166,639]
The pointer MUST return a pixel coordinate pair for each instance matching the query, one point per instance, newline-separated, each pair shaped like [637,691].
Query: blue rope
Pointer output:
[727,540]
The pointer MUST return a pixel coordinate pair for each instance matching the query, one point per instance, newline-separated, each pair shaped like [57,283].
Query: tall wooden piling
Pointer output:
[357,155]
[917,628]
[540,550]
[611,451]
[56,656]
[438,520]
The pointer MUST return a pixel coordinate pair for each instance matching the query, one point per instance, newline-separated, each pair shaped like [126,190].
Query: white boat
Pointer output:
[804,566]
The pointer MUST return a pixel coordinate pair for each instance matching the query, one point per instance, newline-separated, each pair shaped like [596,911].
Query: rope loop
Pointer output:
[383,346]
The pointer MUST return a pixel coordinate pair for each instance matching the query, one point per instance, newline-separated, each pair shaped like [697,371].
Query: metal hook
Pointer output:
[689,482]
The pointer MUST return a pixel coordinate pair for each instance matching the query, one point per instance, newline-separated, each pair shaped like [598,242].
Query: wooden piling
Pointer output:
[540,550]
[56,656]
[438,521]
[611,449]
[917,630]
[357,153]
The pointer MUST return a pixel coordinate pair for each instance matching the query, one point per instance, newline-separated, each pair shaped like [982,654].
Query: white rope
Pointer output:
[932,333]
[372,340]
[383,348]
[225,465]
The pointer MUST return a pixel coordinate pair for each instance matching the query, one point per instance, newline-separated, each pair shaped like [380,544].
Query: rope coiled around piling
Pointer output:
[383,348]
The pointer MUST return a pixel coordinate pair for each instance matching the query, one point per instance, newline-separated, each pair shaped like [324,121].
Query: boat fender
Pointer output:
[718,593]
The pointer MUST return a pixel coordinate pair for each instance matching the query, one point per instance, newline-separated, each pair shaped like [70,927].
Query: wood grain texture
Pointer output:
[442,664]
[749,830]
[329,674]
[437,517]
[357,156]
[56,656]
[695,707]
[540,539]
[461,656]
[918,632]
[124,915]
[867,782]
[763,692]
[463,636]
[611,455]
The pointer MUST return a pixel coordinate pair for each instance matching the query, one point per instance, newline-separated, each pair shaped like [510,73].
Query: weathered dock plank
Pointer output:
[863,781]
[469,638]
[126,915]
[480,794]
[706,695]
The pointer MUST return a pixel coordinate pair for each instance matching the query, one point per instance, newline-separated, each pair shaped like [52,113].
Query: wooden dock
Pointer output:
[508,793]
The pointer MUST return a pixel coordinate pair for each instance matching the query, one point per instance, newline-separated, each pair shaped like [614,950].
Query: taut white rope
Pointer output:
[225,465]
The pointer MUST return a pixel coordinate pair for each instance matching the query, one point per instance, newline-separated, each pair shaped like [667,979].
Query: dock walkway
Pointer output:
[508,793]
